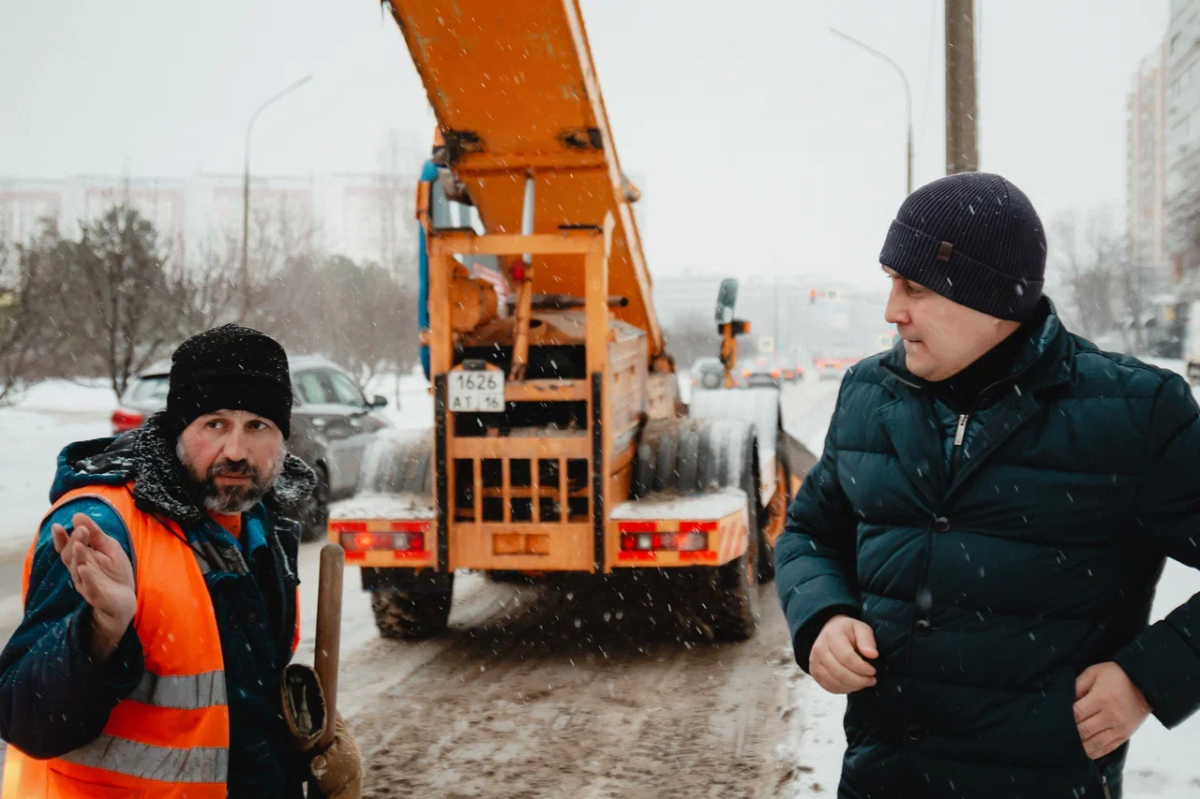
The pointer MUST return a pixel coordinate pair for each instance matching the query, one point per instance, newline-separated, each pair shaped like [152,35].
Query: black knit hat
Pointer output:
[973,238]
[229,368]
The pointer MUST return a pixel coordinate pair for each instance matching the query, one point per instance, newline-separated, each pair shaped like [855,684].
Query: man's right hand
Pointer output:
[836,661]
[103,576]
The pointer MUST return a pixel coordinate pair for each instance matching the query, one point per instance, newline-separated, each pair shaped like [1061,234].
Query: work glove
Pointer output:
[303,706]
[337,770]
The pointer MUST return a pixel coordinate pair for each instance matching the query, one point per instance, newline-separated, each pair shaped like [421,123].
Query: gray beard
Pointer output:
[229,500]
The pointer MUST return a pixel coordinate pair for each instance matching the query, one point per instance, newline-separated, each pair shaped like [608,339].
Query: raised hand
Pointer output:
[103,576]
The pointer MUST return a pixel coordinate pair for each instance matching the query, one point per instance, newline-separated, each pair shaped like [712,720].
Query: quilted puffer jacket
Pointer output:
[997,555]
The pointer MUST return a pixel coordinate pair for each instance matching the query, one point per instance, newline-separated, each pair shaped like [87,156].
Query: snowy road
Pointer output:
[533,692]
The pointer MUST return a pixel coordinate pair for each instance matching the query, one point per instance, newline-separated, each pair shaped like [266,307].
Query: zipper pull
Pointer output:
[1104,785]
[962,430]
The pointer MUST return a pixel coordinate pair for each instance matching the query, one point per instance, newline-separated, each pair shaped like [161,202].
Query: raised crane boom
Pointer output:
[515,94]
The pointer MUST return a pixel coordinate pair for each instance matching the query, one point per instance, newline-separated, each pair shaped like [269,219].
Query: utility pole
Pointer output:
[962,132]
[245,270]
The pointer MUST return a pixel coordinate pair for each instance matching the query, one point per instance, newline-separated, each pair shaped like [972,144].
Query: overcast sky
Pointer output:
[765,144]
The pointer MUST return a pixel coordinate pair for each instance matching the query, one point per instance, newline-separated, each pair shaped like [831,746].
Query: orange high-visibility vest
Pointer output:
[170,738]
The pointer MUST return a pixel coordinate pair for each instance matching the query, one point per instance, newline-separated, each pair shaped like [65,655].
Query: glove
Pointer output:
[338,770]
[303,706]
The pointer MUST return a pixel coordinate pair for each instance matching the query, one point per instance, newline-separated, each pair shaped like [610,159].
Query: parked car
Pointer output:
[708,373]
[765,371]
[332,424]
[833,368]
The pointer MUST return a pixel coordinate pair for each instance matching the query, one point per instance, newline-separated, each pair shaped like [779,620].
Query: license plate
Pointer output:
[476,392]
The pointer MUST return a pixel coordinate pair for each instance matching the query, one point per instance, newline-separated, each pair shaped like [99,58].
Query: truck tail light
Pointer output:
[386,542]
[683,541]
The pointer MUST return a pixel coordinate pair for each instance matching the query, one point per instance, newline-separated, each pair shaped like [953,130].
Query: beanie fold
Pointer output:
[939,267]
[261,398]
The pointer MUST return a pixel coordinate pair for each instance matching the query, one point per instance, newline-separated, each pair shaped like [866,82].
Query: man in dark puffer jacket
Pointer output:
[974,557]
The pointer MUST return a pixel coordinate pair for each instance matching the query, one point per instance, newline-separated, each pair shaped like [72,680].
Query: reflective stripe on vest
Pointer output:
[170,738]
[189,692]
[147,762]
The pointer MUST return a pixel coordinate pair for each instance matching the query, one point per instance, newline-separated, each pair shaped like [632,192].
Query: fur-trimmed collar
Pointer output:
[147,456]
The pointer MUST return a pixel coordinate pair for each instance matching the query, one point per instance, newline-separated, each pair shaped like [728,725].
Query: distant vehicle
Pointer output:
[332,424]
[833,368]
[708,373]
[766,371]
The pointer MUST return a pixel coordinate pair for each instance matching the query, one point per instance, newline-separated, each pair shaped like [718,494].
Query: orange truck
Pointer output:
[559,443]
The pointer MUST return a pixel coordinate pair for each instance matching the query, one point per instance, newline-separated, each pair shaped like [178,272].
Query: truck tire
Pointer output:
[685,456]
[731,606]
[412,615]
[689,460]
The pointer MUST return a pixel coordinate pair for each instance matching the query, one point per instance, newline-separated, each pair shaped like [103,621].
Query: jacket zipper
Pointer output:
[959,435]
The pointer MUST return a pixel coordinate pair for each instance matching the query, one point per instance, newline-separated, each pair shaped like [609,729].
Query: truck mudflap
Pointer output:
[385,530]
[668,530]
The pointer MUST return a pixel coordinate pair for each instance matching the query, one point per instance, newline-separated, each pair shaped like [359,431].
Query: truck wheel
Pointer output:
[409,615]
[731,609]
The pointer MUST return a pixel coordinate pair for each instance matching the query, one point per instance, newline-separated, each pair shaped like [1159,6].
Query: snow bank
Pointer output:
[712,506]
[65,396]
[383,506]
[32,435]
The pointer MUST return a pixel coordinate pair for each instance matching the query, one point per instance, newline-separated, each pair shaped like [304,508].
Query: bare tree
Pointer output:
[26,337]
[281,237]
[1106,289]
[383,334]
[129,316]
[208,284]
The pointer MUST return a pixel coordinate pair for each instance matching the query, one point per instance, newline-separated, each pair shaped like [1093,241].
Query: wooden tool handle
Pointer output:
[329,633]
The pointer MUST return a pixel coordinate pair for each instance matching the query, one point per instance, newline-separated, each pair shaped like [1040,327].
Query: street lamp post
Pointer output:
[907,93]
[246,187]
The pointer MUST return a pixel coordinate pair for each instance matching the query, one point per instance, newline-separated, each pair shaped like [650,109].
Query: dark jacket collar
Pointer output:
[147,457]
[1047,358]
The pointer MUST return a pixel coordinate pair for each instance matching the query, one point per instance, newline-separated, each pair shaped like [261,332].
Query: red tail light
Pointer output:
[123,420]
[359,542]
[664,542]
[775,373]
[644,537]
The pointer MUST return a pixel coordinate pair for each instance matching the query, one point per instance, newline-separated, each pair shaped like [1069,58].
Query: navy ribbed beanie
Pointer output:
[975,239]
